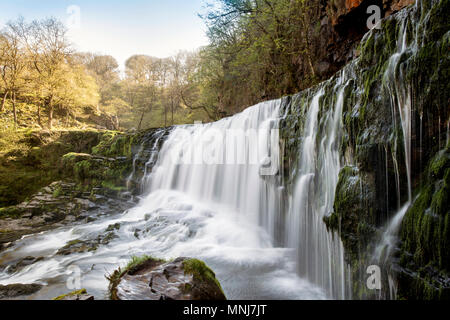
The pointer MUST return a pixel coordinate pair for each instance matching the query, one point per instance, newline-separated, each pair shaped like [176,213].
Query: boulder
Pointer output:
[153,279]
[18,289]
[75,295]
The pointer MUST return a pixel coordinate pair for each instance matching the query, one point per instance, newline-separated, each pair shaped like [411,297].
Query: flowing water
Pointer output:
[208,196]
[217,192]
[400,93]
[320,253]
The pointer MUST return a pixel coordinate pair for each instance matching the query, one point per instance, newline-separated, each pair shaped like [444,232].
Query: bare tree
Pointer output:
[49,49]
[13,62]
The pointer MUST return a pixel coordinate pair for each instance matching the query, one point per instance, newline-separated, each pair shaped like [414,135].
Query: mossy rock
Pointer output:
[75,295]
[425,235]
[156,279]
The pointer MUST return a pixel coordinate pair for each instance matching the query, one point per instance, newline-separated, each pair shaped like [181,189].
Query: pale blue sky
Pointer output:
[121,27]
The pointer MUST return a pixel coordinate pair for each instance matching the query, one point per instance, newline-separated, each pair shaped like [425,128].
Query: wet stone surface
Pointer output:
[159,280]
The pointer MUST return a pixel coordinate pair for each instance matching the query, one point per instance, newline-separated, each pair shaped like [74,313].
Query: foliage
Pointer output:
[259,49]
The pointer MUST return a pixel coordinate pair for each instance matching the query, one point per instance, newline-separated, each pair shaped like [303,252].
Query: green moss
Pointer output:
[110,186]
[113,227]
[200,271]
[70,294]
[57,192]
[425,231]
[10,212]
[114,144]
[133,266]
[32,160]
[73,242]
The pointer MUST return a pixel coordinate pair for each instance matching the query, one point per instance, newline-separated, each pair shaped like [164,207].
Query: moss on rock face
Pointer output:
[354,209]
[32,160]
[373,183]
[107,167]
[425,235]
[200,271]
[75,295]
[115,144]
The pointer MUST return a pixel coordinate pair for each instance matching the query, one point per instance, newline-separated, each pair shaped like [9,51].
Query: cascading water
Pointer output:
[400,93]
[220,162]
[320,253]
[145,158]
[217,192]
[213,194]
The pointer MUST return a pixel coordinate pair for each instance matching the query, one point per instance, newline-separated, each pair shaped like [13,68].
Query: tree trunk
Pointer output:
[50,113]
[171,107]
[142,117]
[4,101]
[39,115]
[14,108]
[165,115]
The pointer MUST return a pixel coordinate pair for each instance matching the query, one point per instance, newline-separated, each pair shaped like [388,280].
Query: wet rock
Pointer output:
[113,227]
[77,246]
[152,279]
[88,245]
[58,204]
[22,263]
[18,289]
[75,296]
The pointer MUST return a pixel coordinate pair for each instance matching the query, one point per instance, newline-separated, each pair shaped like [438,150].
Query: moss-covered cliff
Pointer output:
[395,121]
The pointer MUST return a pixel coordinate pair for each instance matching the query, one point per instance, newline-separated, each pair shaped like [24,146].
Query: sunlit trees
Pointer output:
[49,49]
[261,48]
[38,67]
[13,62]
[104,68]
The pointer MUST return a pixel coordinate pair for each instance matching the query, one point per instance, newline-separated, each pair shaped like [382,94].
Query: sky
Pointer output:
[119,28]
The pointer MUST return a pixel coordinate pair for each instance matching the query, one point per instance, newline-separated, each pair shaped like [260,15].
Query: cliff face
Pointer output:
[394,150]
[343,24]
[342,10]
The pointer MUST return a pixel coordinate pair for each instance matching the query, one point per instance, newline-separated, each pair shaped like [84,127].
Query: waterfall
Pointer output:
[221,163]
[216,192]
[222,192]
[400,94]
[320,253]
[145,158]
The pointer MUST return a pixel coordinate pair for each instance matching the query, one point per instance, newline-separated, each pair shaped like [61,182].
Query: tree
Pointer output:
[50,50]
[143,76]
[262,49]
[13,62]
[104,68]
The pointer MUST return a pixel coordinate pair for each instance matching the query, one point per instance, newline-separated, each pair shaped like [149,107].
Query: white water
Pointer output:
[221,213]
[215,194]
[400,93]
[320,253]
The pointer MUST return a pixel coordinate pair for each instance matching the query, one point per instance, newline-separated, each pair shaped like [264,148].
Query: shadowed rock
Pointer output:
[18,289]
